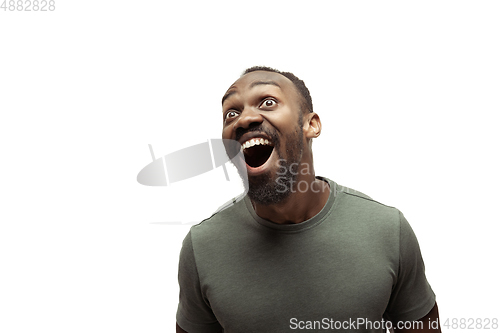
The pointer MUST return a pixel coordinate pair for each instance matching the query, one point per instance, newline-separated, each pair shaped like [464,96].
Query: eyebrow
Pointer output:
[253,84]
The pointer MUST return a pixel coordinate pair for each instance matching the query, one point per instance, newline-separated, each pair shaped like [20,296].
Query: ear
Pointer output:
[312,125]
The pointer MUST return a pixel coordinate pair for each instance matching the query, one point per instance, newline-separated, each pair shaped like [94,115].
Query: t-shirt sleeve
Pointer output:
[193,313]
[412,297]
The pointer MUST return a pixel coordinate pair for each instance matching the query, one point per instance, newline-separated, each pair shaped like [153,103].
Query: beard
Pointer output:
[274,187]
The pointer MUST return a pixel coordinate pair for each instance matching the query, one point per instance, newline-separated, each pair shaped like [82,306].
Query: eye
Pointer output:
[268,103]
[230,114]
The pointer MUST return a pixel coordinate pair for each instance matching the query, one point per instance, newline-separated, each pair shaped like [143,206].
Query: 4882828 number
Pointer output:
[28,5]
[471,323]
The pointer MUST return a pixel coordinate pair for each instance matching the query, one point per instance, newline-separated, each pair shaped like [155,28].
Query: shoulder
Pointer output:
[359,200]
[357,208]
[228,219]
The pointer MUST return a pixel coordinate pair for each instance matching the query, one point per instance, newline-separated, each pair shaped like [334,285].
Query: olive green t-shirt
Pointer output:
[357,261]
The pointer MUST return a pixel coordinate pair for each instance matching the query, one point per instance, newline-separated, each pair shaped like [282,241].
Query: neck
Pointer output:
[302,204]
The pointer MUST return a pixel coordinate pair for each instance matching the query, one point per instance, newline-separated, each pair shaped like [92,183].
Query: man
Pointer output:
[298,251]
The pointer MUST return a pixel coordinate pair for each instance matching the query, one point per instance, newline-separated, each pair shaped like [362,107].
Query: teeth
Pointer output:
[254,142]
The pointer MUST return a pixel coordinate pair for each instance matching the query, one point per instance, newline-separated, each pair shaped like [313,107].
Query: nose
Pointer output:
[248,118]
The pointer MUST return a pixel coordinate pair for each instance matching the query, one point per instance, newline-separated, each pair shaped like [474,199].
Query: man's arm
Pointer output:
[178,329]
[193,311]
[428,323]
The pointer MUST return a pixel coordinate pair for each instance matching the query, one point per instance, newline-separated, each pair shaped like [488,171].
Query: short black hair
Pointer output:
[299,84]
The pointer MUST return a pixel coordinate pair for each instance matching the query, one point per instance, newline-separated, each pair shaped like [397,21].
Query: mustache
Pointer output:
[257,128]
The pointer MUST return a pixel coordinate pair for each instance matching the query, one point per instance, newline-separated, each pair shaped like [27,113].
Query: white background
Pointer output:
[408,94]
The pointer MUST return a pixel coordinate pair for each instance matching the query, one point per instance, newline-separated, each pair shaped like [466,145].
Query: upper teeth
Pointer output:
[254,142]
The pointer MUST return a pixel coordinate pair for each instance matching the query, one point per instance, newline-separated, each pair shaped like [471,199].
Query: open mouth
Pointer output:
[257,151]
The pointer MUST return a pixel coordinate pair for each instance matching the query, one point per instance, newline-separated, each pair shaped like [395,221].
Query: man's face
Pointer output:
[261,111]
